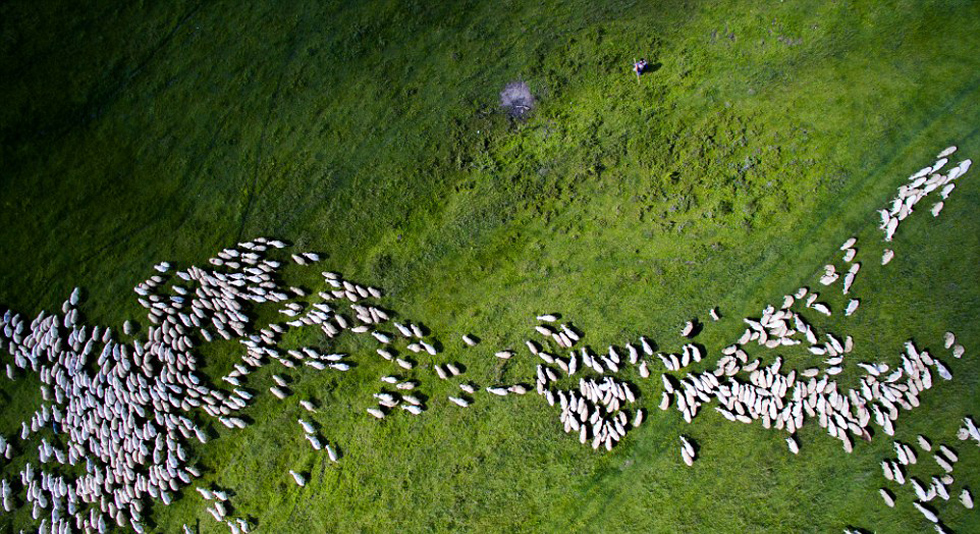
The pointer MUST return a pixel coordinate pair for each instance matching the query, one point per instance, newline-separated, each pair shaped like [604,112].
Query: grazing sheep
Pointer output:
[300,480]
[459,402]
[428,348]
[887,497]
[794,447]
[376,413]
[927,513]
[687,456]
[966,498]
[307,426]
[948,340]
[687,329]
[469,340]
[949,454]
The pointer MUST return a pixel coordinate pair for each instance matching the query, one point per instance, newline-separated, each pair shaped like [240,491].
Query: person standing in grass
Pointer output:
[639,67]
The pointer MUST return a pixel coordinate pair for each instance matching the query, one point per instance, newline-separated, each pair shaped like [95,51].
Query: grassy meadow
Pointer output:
[765,135]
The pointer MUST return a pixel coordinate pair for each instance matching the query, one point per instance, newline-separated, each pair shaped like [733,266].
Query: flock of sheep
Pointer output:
[119,411]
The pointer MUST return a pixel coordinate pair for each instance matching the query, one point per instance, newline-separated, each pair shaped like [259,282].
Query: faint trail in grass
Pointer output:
[273,100]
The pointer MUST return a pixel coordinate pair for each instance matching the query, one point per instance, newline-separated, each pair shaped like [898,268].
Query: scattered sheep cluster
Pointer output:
[922,183]
[940,483]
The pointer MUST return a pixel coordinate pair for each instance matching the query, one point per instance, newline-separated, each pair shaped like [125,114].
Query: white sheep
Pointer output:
[459,402]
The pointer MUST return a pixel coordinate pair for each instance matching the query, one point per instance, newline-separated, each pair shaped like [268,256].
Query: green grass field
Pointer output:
[767,134]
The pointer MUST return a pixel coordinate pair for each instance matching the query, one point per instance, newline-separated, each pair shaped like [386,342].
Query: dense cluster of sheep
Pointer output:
[123,409]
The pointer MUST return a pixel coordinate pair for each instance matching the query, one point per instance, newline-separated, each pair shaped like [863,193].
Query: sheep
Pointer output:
[687,457]
[459,402]
[924,443]
[926,512]
[920,492]
[504,354]
[548,317]
[966,498]
[403,330]
[307,426]
[888,497]
[794,447]
[821,308]
[942,370]
[376,413]
[443,375]
[469,340]
[300,480]
[687,329]
[948,340]
[647,348]
[887,470]
[945,465]
[467,388]
[852,306]
[638,419]
[936,209]
[948,453]
[404,364]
